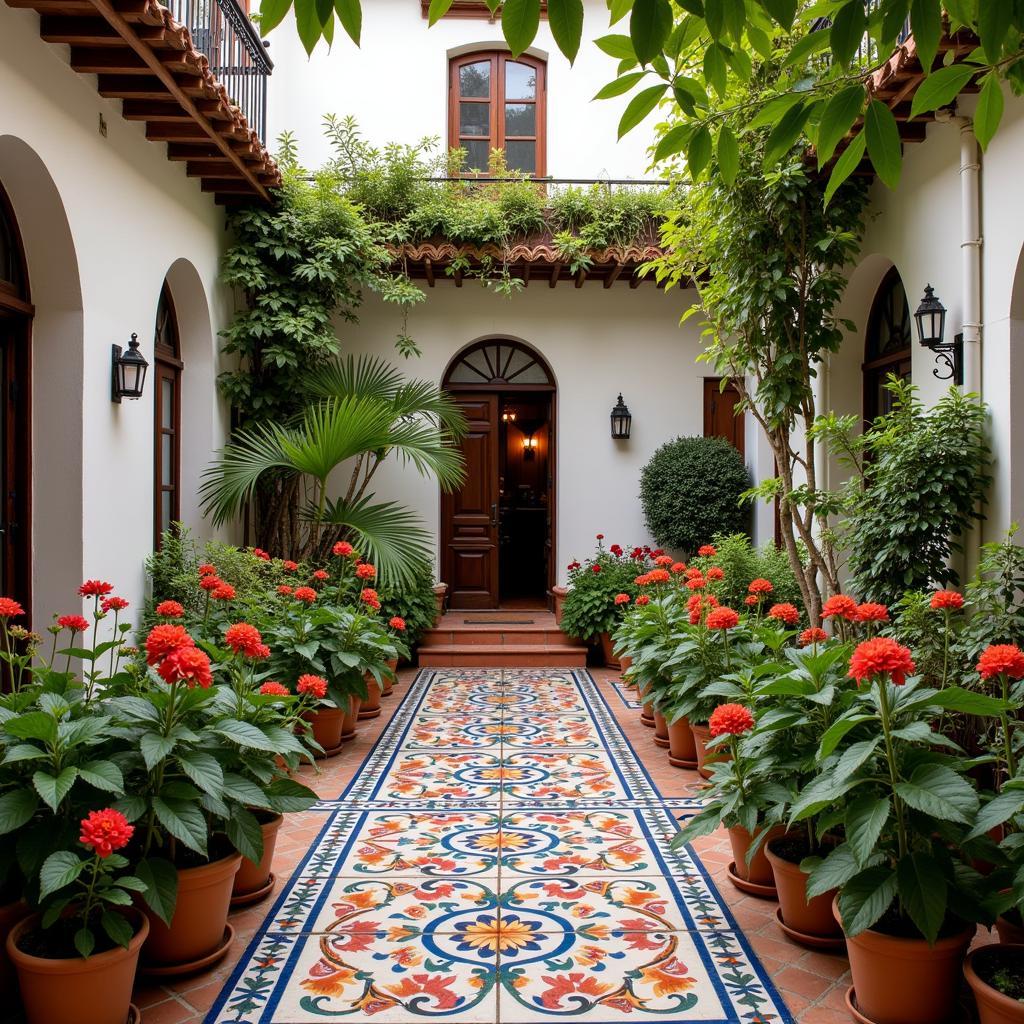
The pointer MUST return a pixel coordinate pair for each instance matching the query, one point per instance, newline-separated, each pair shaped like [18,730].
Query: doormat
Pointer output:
[501,846]
[498,622]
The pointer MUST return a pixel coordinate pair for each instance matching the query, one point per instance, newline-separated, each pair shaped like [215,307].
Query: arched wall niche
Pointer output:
[56,376]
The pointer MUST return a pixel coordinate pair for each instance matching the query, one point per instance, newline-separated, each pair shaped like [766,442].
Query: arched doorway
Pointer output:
[887,346]
[497,531]
[166,418]
[15,414]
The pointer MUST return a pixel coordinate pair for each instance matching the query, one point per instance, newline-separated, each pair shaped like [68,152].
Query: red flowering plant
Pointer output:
[590,607]
[898,795]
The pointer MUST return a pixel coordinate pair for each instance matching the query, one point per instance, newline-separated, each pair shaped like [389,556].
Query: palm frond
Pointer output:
[421,398]
[355,377]
[429,450]
[230,481]
[387,534]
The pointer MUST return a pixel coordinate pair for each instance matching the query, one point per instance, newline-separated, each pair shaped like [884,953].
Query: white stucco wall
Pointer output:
[104,220]
[598,342]
[396,85]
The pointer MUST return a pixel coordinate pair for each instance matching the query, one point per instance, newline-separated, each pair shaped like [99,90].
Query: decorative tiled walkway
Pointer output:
[501,855]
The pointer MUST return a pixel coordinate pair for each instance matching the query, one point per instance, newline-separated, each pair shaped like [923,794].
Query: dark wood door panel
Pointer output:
[720,417]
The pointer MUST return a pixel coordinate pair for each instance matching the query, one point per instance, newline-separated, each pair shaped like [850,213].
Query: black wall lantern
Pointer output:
[128,376]
[931,329]
[621,421]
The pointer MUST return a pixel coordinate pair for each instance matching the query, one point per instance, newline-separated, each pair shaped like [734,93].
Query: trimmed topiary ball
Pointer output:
[690,490]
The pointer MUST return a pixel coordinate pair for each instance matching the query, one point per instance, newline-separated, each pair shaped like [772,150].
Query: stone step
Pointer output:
[496,636]
[508,656]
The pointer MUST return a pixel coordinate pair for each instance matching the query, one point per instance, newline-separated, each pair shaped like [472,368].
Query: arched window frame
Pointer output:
[166,417]
[497,356]
[498,138]
[878,363]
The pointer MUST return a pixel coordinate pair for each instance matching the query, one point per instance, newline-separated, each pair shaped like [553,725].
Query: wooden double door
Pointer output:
[497,529]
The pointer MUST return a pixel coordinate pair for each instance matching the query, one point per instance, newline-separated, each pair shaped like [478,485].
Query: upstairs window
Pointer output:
[496,101]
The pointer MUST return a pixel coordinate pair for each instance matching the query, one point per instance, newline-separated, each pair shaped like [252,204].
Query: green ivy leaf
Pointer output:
[884,146]
[519,22]
[989,111]
[837,119]
[639,107]
[565,19]
[649,26]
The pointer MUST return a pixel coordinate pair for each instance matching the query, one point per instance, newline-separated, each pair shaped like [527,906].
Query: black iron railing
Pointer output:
[238,57]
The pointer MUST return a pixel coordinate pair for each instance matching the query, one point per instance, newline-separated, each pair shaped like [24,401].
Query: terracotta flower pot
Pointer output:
[993,1006]
[682,752]
[701,739]
[660,730]
[370,708]
[253,877]
[440,590]
[1010,929]
[801,917]
[200,915]
[86,990]
[758,871]
[327,726]
[389,681]
[905,981]
[559,594]
[610,660]
[351,718]
[647,715]
[10,915]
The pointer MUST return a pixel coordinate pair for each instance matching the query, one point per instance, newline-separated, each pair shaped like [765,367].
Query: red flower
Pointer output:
[224,592]
[397,622]
[707,551]
[243,638]
[187,665]
[600,536]
[715,573]
[316,685]
[616,550]
[10,608]
[730,720]
[365,571]
[260,554]
[165,638]
[949,600]
[105,831]
[881,656]
[637,553]
[784,612]
[169,610]
[696,583]
[321,575]
[274,689]
[95,588]
[343,549]
[114,604]
[595,568]
[760,586]
[722,618]
[370,596]
[643,579]
[307,594]
[285,590]
[658,576]
[573,566]
[840,606]
[622,598]
[814,635]
[643,599]
[664,560]
[75,623]
[871,612]
[209,583]
[1001,660]
[657,551]
[693,572]
[750,600]
[678,567]
[289,566]
[207,570]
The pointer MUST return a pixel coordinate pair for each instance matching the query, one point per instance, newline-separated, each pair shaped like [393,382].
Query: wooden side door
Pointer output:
[14,463]
[720,419]
[469,516]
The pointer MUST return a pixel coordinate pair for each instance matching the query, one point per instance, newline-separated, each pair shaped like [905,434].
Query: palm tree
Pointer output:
[360,412]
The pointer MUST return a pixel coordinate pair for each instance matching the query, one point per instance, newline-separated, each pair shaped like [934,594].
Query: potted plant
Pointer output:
[906,897]
[745,797]
[996,977]
[77,958]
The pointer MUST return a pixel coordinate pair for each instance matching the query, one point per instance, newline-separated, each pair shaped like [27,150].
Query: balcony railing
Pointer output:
[238,57]
[867,55]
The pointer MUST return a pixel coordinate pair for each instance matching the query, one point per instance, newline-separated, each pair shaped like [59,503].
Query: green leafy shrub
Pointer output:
[691,490]
[742,562]
[590,607]
[415,603]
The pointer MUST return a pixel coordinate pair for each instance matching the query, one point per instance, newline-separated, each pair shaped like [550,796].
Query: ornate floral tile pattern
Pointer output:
[628,695]
[502,856]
